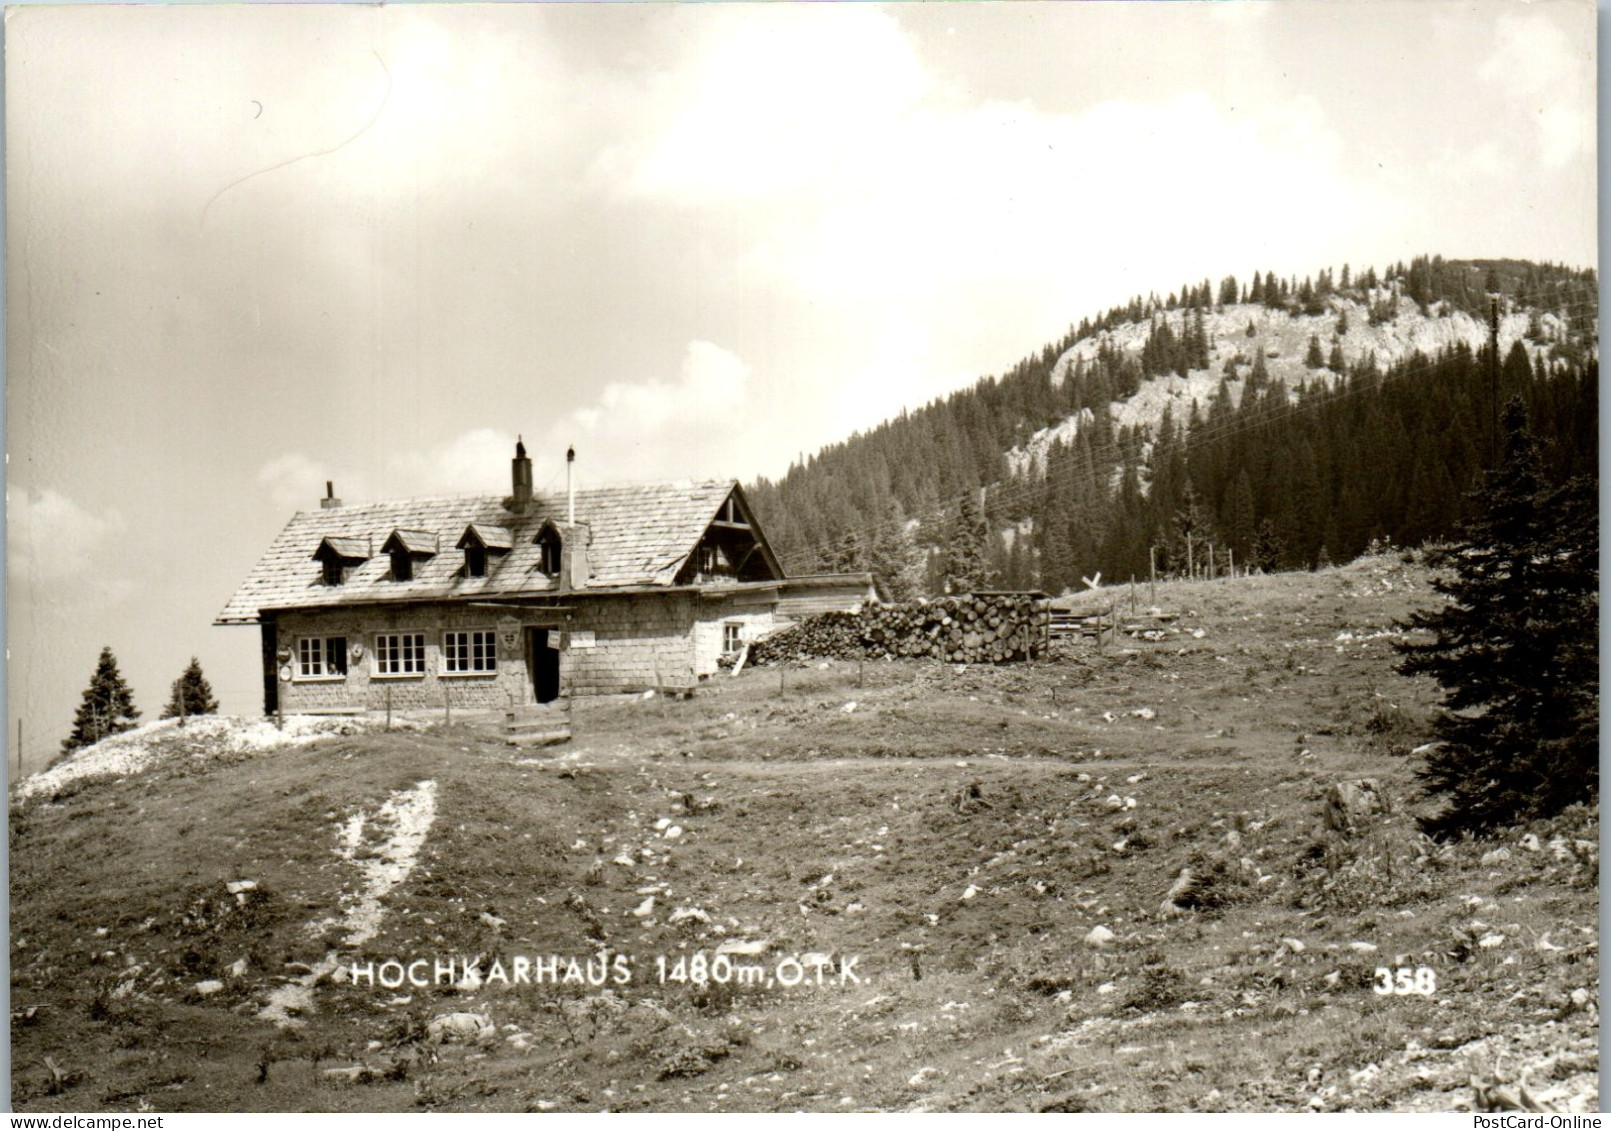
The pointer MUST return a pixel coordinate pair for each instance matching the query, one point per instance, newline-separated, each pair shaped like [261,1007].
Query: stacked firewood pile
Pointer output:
[977,628]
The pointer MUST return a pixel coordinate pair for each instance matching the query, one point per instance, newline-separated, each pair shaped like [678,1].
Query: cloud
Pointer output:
[711,383]
[1547,79]
[296,481]
[50,537]
[476,462]
[778,101]
[473,462]
[660,428]
[655,429]
[1003,199]
[920,227]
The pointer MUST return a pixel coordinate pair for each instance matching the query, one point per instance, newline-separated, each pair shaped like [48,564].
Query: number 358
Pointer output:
[1404,981]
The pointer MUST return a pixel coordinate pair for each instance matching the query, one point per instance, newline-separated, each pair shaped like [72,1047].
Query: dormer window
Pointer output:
[408,547]
[340,556]
[550,551]
[482,545]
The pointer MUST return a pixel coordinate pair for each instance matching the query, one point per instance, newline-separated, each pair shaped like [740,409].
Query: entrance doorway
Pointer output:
[542,661]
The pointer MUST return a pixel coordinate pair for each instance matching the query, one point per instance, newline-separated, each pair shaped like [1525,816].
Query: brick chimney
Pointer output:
[329,502]
[520,474]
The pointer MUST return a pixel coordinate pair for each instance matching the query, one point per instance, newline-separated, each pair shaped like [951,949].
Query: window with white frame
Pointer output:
[400,653]
[465,653]
[732,636]
[321,657]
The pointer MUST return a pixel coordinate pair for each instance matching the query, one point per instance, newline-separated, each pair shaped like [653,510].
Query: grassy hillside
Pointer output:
[960,833]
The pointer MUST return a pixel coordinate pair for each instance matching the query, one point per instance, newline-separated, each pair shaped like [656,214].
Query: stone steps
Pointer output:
[542,726]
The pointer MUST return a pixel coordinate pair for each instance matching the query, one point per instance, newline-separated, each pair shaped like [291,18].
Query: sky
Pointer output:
[252,249]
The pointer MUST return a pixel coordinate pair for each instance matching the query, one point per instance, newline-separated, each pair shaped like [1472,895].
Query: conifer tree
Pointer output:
[1515,649]
[107,707]
[1259,376]
[1267,546]
[1241,515]
[190,694]
[1314,359]
[1190,531]
[968,556]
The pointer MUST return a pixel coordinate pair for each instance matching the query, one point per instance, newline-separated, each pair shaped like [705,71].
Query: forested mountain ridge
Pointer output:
[1287,421]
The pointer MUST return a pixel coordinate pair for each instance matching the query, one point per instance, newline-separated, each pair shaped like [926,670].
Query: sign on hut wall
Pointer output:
[509,636]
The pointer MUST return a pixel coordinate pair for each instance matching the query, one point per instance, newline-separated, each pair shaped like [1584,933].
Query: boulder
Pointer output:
[1348,804]
[461,1028]
[1184,887]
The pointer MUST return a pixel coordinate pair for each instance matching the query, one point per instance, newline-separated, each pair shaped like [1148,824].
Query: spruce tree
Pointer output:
[1259,376]
[1190,531]
[106,709]
[1242,515]
[1314,359]
[968,557]
[1514,649]
[190,694]
[1267,546]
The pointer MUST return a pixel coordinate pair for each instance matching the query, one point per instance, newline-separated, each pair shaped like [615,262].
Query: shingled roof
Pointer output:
[639,536]
[411,542]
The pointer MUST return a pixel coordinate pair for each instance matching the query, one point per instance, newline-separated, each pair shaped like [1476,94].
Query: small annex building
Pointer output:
[491,602]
